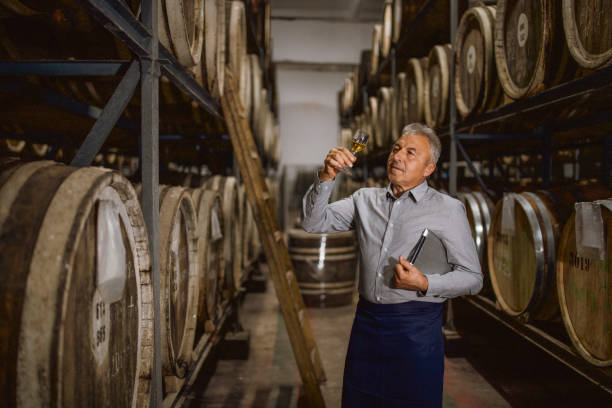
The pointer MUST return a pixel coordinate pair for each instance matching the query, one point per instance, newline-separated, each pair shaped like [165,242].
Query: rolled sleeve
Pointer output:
[465,278]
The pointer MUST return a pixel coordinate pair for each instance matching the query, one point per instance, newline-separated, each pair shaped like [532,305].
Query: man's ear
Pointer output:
[430,168]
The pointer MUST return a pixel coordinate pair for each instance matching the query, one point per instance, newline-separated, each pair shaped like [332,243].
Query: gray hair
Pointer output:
[434,141]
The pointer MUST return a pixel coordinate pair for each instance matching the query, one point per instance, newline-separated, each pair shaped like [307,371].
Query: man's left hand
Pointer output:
[409,277]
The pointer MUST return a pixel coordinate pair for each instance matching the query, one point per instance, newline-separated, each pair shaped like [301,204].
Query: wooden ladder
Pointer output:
[281,270]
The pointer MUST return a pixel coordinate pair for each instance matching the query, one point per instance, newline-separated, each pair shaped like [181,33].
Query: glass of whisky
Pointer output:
[358,143]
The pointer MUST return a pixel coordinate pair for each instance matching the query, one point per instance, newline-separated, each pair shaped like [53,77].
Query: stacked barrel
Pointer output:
[502,53]
[76,298]
[548,258]
[205,36]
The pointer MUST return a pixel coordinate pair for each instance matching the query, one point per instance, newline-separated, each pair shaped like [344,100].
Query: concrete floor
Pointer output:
[269,378]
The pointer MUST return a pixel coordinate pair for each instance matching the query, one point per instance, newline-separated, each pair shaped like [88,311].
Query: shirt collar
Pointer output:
[416,193]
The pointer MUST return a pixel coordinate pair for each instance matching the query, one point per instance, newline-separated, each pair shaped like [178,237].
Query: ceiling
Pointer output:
[334,10]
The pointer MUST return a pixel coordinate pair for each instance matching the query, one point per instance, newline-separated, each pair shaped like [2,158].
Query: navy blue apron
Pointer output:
[395,356]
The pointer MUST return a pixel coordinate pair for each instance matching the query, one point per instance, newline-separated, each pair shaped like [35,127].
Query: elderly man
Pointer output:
[395,355]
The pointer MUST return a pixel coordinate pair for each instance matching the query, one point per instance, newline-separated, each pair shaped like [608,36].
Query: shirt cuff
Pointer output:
[322,186]
[434,286]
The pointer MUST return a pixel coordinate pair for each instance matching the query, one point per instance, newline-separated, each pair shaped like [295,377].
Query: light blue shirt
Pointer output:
[387,227]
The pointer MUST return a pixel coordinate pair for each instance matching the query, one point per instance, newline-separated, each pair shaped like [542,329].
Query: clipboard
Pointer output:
[429,255]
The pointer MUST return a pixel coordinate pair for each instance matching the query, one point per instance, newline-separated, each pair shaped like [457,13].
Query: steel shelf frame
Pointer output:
[597,375]
[458,130]
[152,59]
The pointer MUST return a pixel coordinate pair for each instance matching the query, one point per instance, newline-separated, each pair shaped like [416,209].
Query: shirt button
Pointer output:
[385,249]
[391,224]
[379,274]
[378,298]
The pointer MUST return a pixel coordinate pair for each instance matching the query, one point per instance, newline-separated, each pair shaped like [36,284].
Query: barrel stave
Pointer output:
[325,267]
[585,298]
[68,328]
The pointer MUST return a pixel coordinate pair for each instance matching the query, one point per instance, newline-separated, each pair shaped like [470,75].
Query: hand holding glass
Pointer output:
[358,143]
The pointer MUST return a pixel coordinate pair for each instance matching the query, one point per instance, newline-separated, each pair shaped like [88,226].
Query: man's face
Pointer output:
[409,161]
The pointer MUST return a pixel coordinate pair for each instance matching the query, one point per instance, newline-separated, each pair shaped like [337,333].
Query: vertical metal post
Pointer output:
[150,72]
[449,325]
[452,182]
[546,157]
[605,163]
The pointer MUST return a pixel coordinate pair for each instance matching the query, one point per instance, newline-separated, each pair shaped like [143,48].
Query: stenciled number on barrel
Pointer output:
[471,59]
[523,30]
[100,328]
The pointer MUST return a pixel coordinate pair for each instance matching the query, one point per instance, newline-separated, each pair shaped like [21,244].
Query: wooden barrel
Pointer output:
[477,88]
[184,21]
[395,124]
[76,318]
[232,268]
[397,20]
[267,28]
[14,145]
[375,55]
[387,29]
[255,249]
[585,298]
[385,109]
[256,86]
[214,47]
[374,120]
[402,98]
[236,39]
[479,209]
[209,209]
[325,267]
[588,32]
[245,91]
[415,85]
[348,94]
[248,225]
[260,119]
[364,66]
[179,273]
[269,134]
[522,262]
[437,82]
[530,52]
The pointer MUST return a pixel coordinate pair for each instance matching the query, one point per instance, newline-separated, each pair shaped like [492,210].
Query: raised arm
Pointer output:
[320,216]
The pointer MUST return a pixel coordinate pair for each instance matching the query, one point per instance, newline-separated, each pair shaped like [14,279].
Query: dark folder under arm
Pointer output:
[429,255]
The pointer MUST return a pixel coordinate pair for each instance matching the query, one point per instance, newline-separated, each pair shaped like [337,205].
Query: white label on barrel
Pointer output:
[590,239]
[507,219]
[522,31]
[413,94]
[471,59]
[435,87]
[100,328]
[215,226]
[111,253]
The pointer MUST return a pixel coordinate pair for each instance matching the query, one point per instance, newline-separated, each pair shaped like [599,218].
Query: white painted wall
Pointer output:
[309,122]
[320,41]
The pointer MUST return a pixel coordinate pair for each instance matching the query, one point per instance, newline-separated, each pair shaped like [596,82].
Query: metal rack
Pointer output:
[463,137]
[151,60]
[600,376]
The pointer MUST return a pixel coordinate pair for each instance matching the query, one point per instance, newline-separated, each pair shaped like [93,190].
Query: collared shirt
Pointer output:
[387,227]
